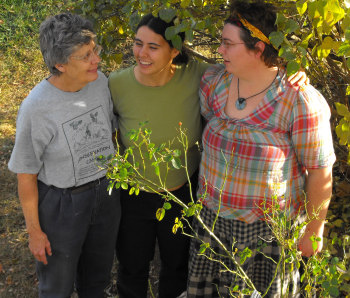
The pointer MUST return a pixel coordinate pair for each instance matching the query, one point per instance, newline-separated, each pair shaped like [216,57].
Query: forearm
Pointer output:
[28,195]
[318,192]
[39,245]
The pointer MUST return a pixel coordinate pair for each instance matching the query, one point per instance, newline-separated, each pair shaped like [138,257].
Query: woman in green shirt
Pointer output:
[162,88]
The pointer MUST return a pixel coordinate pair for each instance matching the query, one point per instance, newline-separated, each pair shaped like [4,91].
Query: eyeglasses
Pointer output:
[227,44]
[87,58]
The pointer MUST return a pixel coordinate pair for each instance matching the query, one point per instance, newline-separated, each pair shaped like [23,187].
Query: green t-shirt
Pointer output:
[163,107]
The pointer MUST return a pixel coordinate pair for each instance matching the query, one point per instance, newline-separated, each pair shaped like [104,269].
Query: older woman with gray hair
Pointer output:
[63,125]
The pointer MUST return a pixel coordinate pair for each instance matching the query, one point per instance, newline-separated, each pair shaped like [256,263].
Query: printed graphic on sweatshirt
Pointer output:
[88,136]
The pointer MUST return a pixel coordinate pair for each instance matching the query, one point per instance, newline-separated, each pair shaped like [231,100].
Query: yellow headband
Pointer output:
[255,32]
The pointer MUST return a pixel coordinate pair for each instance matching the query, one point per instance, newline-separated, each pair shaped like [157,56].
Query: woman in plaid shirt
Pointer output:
[264,139]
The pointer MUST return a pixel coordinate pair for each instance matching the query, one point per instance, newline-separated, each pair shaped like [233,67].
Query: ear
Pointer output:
[259,48]
[60,67]
[174,52]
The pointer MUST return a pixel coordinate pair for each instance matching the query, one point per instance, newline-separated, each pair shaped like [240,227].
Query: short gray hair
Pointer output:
[60,35]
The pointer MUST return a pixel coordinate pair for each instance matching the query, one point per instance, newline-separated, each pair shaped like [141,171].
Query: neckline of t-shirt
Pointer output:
[80,92]
[170,82]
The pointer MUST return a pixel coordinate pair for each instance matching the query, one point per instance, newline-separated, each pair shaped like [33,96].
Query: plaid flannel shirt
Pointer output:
[249,162]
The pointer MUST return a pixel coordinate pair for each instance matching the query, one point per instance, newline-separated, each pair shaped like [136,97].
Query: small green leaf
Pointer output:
[189,35]
[203,247]
[177,42]
[292,67]
[131,191]
[326,285]
[176,162]
[156,170]
[167,206]
[124,185]
[123,173]
[170,33]
[291,26]
[334,291]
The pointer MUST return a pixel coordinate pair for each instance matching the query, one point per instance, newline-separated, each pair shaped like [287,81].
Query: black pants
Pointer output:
[82,229]
[138,232]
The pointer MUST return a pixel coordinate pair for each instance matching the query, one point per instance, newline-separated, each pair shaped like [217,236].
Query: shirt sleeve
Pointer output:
[206,89]
[311,131]
[30,143]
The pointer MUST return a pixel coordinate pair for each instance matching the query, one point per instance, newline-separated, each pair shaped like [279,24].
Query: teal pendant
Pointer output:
[241,103]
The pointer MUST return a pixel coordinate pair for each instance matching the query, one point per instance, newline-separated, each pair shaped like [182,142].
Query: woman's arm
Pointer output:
[39,245]
[318,192]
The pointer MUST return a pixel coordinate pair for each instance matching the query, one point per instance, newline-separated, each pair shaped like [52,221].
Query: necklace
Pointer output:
[241,102]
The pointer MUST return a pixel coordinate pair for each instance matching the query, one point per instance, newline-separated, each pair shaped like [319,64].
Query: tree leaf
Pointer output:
[170,32]
[342,109]
[177,42]
[124,185]
[292,67]
[301,6]
[167,14]
[160,214]
[291,26]
[167,206]
[176,162]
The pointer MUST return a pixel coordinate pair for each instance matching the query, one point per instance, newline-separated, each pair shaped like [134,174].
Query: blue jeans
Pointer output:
[82,228]
[139,230]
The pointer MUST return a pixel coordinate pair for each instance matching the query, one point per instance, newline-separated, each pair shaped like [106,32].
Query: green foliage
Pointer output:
[323,274]
[343,128]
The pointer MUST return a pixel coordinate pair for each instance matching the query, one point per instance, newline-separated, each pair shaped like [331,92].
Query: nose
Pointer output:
[95,58]
[143,51]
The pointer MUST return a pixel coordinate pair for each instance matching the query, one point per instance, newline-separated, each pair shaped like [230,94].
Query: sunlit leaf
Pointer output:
[342,109]
[176,162]
[301,6]
[167,206]
[292,67]
[160,214]
[203,247]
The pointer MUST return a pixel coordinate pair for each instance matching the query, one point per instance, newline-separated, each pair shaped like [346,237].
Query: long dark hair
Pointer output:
[157,25]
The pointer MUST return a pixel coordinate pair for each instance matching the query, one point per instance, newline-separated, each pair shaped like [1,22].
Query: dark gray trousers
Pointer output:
[82,228]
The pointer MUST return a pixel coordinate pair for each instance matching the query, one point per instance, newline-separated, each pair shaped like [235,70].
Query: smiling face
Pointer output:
[81,68]
[236,56]
[153,54]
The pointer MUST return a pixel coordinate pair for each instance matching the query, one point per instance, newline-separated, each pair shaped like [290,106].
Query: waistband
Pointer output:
[86,186]
[77,189]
